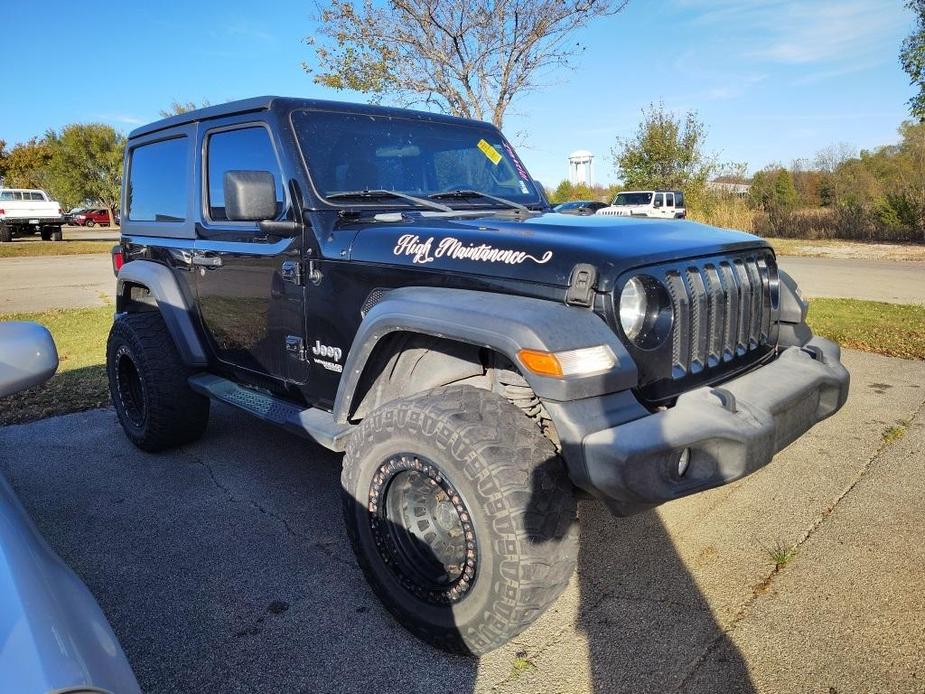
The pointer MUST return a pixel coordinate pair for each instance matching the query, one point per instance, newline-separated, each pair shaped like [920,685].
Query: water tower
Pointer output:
[580,167]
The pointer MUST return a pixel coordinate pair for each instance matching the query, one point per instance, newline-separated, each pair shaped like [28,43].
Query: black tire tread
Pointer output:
[517,470]
[176,415]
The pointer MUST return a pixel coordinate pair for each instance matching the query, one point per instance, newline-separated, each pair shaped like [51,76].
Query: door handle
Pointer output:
[207,259]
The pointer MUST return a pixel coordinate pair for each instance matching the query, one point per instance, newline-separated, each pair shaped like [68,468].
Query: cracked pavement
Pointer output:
[225,566]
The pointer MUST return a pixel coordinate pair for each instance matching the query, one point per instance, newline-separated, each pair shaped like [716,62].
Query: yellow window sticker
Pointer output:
[493,155]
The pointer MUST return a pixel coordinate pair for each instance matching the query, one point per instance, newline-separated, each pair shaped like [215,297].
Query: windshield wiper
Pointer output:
[478,194]
[377,194]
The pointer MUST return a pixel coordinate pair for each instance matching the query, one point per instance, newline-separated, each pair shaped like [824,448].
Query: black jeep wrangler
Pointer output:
[393,284]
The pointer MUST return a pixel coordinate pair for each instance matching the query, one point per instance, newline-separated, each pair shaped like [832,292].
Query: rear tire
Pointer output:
[148,385]
[6,234]
[461,515]
[56,234]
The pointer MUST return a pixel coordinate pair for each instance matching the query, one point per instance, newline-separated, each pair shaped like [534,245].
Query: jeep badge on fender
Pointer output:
[394,285]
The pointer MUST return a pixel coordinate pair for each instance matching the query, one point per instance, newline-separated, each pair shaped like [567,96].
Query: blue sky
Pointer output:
[773,80]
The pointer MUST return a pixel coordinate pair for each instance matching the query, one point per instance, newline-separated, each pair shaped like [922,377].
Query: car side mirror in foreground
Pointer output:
[28,356]
[250,196]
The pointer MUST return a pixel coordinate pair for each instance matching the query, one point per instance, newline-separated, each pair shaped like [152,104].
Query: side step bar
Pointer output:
[311,422]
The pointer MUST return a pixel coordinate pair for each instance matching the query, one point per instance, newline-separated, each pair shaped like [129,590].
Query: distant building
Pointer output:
[581,168]
[733,188]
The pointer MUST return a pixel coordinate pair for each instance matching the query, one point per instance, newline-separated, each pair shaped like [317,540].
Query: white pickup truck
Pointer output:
[26,212]
[661,204]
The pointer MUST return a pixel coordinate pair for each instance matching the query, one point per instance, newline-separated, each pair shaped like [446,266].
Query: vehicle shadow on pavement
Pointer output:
[648,626]
[225,567]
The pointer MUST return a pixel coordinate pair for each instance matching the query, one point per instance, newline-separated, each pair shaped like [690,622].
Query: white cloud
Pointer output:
[794,32]
[121,118]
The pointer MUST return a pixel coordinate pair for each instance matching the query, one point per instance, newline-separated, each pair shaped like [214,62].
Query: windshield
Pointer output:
[349,152]
[633,199]
[570,205]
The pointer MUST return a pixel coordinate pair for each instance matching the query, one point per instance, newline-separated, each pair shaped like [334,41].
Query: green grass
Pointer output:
[25,249]
[896,330]
[781,554]
[520,665]
[895,432]
[80,383]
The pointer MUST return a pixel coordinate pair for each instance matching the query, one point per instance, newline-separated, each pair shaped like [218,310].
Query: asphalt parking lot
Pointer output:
[224,567]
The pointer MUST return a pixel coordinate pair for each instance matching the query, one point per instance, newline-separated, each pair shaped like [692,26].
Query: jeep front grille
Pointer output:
[722,310]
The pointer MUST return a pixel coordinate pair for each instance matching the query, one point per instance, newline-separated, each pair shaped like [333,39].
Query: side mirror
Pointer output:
[27,356]
[250,196]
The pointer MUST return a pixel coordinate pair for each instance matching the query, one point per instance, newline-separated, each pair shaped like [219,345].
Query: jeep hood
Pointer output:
[542,248]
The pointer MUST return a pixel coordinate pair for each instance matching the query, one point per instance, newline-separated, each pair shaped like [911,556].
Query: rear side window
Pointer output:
[242,149]
[679,199]
[158,180]
[37,196]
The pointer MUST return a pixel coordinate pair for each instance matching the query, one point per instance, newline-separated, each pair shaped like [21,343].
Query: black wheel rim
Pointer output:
[131,388]
[422,529]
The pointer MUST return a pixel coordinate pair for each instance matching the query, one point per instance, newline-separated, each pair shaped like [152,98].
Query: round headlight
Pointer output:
[633,307]
[645,311]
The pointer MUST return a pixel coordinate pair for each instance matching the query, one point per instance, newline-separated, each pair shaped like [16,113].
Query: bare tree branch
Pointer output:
[467,58]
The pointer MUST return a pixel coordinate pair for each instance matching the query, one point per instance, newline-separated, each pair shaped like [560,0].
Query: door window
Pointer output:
[659,199]
[669,199]
[242,149]
[157,182]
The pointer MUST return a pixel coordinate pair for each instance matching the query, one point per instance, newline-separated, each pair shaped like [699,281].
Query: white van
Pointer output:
[661,204]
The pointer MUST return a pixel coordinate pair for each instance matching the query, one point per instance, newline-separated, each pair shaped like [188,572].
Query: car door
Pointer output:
[658,205]
[247,282]
[669,205]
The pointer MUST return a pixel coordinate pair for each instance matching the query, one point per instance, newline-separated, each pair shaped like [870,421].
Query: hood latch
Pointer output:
[581,285]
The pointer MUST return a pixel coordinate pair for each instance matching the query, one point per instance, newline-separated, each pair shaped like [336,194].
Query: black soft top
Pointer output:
[280,103]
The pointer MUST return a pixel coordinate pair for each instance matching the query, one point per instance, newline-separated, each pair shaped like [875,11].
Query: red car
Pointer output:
[90,218]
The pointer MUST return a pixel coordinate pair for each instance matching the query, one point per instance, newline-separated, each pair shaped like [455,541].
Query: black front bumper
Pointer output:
[728,431]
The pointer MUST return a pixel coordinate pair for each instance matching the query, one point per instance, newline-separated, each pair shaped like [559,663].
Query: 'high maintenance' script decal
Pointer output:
[449,247]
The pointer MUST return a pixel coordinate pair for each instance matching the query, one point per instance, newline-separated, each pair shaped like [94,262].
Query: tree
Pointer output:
[469,59]
[912,59]
[3,156]
[87,165]
[785,194]
[829,160]
[27,163]
[666,152]
[178,107]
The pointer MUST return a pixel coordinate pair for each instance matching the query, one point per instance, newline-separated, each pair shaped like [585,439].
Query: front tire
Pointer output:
[6,234]
[90,223]
[147,382]
[461,515]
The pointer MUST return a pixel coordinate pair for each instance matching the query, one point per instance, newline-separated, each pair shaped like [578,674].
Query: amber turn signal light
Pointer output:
[572,362]
[541,363]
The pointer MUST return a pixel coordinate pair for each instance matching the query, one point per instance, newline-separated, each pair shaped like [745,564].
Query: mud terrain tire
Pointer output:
[510,493]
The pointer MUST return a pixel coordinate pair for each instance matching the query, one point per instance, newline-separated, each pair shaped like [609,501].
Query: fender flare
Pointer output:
[501,322]
[171,302]
[794,332]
